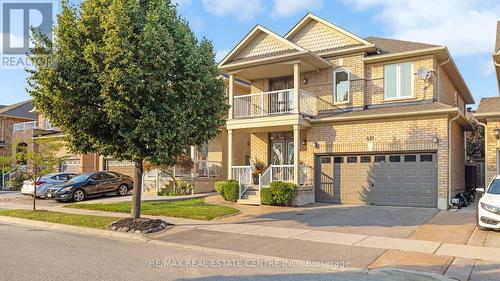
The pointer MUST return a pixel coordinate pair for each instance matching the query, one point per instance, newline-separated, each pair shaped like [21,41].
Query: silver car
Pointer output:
[44,182]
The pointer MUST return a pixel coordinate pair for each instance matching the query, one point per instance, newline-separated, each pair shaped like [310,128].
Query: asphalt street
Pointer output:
[35,254]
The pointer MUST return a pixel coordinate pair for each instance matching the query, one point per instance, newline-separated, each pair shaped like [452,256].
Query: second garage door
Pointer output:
[385,179]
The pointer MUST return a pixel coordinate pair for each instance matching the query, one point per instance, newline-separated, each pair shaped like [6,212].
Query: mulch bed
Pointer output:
[142,225]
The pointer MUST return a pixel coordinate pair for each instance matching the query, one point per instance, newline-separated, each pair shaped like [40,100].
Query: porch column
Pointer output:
[230,96]
[296,85]
[229,154]
[296,152]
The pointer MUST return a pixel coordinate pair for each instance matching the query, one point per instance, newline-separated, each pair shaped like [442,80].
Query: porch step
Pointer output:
[249,201]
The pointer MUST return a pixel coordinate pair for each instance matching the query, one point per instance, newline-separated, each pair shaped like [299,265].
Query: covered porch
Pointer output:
[274,156]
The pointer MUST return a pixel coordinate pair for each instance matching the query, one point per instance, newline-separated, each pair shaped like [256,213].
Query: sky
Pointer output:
[466,27]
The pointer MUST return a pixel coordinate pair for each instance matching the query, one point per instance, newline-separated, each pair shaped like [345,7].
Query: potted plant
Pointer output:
[259,168]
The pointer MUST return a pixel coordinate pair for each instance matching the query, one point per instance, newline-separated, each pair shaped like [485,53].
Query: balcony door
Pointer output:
[280,100]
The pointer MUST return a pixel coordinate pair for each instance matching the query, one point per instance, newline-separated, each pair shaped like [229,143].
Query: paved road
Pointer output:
[34,254]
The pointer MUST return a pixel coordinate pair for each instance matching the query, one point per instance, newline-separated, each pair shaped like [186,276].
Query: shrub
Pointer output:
[182,188]
[266,197]
[229,190]
[219,187]
[278,193]
[16,182]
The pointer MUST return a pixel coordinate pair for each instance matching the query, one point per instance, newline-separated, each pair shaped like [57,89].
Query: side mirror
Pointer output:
[481,190]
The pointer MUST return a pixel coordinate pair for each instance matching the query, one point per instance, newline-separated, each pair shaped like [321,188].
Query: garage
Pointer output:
[380,179]
[123,167]
[71,166]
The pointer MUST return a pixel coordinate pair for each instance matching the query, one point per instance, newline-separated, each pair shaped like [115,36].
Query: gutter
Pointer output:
[449,157]
[390,115]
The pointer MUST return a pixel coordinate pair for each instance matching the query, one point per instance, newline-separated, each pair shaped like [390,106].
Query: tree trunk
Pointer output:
[136,195]
[34,194]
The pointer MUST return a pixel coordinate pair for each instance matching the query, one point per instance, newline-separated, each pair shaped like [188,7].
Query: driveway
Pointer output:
[398,222]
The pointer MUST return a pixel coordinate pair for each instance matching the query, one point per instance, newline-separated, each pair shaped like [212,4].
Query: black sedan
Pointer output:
[91,184]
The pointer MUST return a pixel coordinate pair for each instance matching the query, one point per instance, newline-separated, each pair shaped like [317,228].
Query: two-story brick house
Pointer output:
[10,115]
[488,113]
[363,121]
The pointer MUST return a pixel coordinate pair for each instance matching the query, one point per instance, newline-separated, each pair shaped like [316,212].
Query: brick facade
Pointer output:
[492,149]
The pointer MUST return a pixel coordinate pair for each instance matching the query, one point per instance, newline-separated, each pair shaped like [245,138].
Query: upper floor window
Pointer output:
[341,86]
[398,80]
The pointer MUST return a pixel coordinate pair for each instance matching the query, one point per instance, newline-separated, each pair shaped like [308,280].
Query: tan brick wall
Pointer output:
[492,147]
[375,81]
[10,137]
[457,159]
[259,147]
[418,129]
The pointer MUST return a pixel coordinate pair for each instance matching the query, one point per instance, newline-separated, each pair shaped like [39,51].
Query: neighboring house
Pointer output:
[488,112]
[10,115]
[364,121]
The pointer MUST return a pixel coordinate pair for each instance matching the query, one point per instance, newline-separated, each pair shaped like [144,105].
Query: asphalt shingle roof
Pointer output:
[388,46]
[489,105]
[21,110]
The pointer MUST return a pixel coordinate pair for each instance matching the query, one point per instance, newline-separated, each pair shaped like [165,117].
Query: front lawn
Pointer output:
[191,208]
[62,218]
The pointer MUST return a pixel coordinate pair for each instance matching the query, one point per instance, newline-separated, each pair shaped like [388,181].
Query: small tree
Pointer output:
[41,160]
[130,81]
[5,166]
[475,141]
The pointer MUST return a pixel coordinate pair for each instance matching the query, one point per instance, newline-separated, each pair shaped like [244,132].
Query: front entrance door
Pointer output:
[282,157]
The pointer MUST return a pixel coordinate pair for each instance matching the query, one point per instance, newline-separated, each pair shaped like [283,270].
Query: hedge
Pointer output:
[278,193]
[229,190]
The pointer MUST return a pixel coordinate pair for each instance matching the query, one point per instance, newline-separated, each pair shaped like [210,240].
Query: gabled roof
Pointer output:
[20,110]
[258,43]
[318,35]
[488,107]
[388,46]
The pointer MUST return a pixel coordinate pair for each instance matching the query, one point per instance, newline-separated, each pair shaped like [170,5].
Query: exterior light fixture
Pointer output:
[304,80]
[304,142]
[435,140]
[496,131]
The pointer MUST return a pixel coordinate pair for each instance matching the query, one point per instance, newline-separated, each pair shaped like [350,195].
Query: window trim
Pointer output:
[398,82]
[335,71]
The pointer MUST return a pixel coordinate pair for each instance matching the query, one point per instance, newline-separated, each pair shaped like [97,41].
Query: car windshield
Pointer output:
[80,178]
[494,187]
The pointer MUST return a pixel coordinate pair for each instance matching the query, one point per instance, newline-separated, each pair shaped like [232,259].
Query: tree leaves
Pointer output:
[131,81]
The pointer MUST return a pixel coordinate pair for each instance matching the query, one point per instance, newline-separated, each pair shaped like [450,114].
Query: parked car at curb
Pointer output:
[91,184]
[488,214]
[44,183]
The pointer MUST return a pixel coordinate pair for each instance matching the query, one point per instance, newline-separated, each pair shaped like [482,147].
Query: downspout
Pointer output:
[449,157]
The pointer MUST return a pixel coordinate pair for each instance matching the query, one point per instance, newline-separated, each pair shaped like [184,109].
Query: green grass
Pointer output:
[62,218]
[191,208]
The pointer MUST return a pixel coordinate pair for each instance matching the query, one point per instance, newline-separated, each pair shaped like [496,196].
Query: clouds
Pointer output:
[467,27]
[286,8]
[243,10]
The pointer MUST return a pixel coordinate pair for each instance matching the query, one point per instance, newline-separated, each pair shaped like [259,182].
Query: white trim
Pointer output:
[398,82]
[342,69]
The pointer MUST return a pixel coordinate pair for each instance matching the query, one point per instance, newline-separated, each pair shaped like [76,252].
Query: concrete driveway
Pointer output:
[398,222]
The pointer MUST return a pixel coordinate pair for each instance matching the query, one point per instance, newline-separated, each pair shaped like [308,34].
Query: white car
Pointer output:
[488,215]
[44,182]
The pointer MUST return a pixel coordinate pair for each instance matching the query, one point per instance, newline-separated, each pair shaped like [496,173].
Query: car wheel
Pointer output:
[123,190]
[78,195]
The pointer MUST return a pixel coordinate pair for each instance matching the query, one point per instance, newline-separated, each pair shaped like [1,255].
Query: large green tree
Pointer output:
[128,79]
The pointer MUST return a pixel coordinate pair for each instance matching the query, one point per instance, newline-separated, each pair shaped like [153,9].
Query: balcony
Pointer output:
[273,103]
[34,125]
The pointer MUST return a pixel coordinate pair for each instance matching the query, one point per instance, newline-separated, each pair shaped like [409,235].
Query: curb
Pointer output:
[74,229]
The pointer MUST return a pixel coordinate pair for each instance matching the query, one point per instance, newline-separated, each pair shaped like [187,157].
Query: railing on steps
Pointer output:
[6,176]
[285,173]
[244,181]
